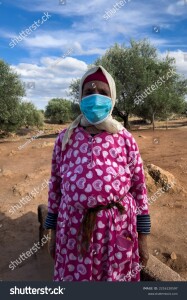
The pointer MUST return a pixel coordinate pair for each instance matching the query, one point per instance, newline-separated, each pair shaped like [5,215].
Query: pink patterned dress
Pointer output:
[91,171]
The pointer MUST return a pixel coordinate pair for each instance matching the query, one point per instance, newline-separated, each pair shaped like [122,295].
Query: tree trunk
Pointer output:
[123,115]
[126,121]
[153,118]
[166,123]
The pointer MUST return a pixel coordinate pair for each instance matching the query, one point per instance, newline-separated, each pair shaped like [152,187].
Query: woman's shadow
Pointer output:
[18,236]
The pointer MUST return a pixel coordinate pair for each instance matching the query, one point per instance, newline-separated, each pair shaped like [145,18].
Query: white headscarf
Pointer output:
[109,124]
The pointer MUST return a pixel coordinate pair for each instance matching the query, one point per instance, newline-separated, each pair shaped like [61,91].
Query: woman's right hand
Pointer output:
[52,243]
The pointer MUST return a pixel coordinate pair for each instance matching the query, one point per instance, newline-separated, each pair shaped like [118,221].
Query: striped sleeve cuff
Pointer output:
[143,224]
[51,221]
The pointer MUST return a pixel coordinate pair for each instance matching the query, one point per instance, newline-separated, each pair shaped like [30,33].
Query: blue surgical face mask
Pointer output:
[96,108]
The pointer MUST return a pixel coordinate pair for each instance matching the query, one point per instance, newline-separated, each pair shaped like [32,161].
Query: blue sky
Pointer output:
[50,54]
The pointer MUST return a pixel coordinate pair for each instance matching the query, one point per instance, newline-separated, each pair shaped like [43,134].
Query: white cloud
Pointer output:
[178,8]
[72,8]
[50,82]
[181,62]
[71,40]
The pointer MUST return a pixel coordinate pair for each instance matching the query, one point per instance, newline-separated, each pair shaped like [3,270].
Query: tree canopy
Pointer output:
[58,111]
[15,113]
[11,91]
[30,115]
[141,75]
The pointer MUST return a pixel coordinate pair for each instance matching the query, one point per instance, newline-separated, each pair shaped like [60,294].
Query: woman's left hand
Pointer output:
[143,249]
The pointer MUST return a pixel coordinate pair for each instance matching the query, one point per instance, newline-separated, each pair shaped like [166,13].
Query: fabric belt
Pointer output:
[89,220]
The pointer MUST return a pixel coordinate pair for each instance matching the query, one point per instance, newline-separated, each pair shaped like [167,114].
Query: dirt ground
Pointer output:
[25,169]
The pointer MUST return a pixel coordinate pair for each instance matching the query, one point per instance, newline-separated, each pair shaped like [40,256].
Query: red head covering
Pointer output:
[98,75]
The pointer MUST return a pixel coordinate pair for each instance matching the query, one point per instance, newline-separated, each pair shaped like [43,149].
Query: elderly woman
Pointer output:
[97,207]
